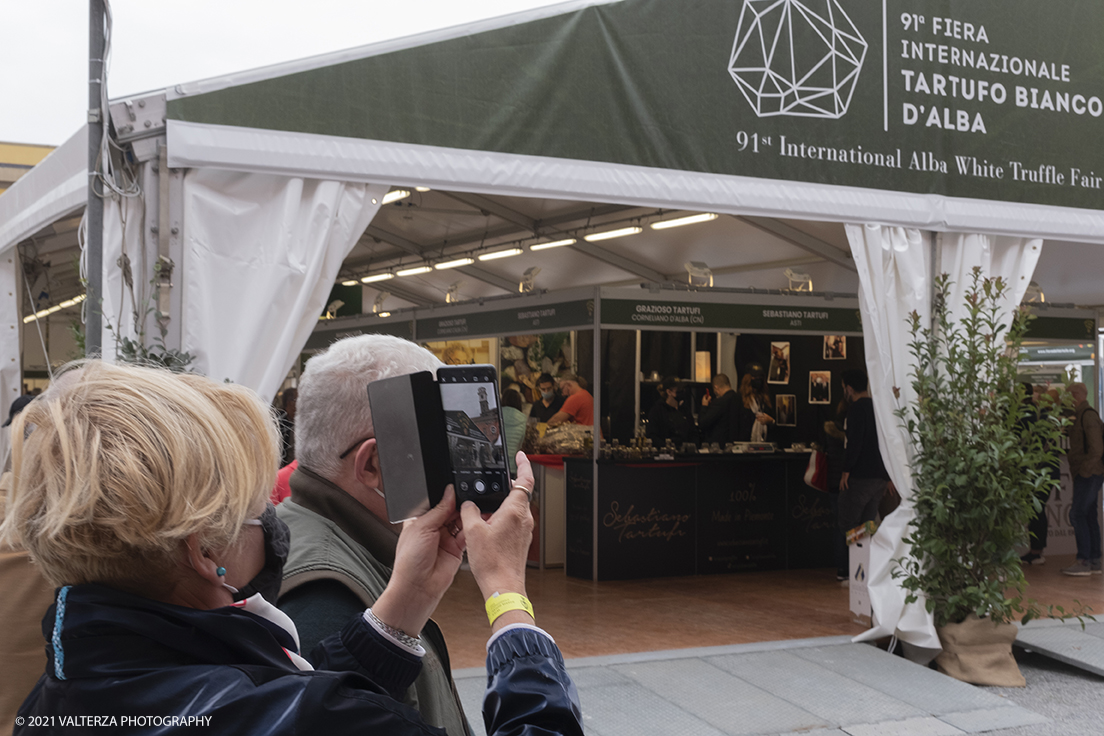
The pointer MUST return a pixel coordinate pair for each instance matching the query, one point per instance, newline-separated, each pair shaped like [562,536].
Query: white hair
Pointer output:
[333,411]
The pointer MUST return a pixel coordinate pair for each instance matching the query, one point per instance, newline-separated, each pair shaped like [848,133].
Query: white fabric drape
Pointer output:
[261,255]
[895,278]
[11,371]
[127,222]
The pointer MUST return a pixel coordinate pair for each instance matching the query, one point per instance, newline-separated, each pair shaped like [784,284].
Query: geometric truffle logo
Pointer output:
[797,57]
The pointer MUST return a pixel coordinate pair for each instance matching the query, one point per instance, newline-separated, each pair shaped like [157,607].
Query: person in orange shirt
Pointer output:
[578,406]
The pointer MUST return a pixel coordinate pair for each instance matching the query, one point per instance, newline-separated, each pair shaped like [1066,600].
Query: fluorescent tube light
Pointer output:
[377,277]
[384,314]
[350,282]
[501,254]
[421,189]
[454,264]
[396,195]
[679,222]
[553,244]
[413,271]
[56,308]
[610,234]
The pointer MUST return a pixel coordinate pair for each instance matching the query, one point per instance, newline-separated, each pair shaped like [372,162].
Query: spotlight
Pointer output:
[396,195]
[698,274]
[799,281]
[377,305]
[452,294]
[529,279]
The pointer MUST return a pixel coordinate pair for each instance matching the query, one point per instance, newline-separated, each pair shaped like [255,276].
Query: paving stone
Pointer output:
[926,726]
[730,704]
[633,710]
[835,698]
[978,721]
[927,690]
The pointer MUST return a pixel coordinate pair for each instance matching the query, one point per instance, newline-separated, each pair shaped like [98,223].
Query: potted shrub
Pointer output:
[980,454]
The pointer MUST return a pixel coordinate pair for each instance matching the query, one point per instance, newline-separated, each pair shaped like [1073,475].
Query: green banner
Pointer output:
[1057,354]
[323,337]
[984,99]
[1062,328]
[643,315]
[531,318]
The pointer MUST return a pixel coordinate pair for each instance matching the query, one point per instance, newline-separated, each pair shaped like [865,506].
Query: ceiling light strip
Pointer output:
[680,221]
[610,234]
[553,244]
[501,254]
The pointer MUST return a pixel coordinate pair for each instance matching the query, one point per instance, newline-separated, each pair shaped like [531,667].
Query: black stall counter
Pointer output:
[695,515]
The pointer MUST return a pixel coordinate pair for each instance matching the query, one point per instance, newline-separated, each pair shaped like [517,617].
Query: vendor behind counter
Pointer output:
[671,417]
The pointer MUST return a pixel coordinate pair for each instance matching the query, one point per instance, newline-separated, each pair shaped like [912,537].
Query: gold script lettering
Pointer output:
[654,524]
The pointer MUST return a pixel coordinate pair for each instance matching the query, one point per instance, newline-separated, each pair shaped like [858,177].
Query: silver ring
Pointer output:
[453,529]
[519,487]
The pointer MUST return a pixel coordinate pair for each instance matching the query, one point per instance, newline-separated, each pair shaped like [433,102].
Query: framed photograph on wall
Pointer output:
[779,371]
[785,414]
[835,347]
[820,387]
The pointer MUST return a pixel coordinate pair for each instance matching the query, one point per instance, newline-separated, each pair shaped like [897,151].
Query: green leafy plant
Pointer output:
[146,351]
[982,451]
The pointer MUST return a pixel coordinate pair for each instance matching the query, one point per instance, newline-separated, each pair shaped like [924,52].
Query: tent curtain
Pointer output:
[11,371]
[129,302]
[261,256]
[895,277]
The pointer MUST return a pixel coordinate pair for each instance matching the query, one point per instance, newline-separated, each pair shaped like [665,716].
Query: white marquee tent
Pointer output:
[257,186]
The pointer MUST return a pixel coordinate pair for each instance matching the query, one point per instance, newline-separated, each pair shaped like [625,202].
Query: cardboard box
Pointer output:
[858,570]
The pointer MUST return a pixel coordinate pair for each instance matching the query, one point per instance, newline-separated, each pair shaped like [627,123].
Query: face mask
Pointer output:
[276,543]
[546,395]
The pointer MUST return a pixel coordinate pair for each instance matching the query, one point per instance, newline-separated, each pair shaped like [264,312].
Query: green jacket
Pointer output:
[334,537]
[1086,442]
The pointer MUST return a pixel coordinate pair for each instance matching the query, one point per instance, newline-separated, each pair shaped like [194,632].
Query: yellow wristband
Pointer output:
[500,604]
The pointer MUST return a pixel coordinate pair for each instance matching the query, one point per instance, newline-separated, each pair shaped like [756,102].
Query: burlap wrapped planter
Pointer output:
[979,651]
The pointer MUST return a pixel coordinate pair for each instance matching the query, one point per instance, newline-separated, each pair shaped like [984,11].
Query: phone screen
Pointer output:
[473,425]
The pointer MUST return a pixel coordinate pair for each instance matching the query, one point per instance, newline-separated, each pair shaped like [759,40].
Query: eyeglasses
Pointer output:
[354,446]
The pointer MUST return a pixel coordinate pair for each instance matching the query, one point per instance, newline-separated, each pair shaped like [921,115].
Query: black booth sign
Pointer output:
[642,314]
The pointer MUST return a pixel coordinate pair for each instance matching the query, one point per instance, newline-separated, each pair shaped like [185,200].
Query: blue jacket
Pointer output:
[146,665]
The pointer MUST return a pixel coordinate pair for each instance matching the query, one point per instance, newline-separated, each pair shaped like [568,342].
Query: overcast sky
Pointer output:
[158,43]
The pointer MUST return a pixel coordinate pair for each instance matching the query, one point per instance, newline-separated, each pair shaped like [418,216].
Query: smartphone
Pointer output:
[473,426]
[410,441]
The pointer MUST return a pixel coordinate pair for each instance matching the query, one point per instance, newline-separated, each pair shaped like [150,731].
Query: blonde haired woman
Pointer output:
[142,495]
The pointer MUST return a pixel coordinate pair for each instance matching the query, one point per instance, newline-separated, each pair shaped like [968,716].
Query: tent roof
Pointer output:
[648,103]
[542,123]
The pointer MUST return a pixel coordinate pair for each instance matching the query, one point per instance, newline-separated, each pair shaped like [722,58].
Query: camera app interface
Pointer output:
[474,435]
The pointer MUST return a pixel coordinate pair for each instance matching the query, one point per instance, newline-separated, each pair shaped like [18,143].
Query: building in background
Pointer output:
[17,159]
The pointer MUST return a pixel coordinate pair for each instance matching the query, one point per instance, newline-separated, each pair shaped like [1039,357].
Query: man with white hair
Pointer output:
[1086,440]
[342,545]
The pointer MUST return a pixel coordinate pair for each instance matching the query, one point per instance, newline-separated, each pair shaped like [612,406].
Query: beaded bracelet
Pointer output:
[414,642]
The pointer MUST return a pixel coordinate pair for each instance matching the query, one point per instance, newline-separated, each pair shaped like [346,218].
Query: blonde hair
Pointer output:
[124,463]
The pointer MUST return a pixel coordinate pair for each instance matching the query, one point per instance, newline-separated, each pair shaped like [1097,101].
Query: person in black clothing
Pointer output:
[717,419]
[835,442]
[864,479]
[670,418]
[1037,527]
[549,402]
